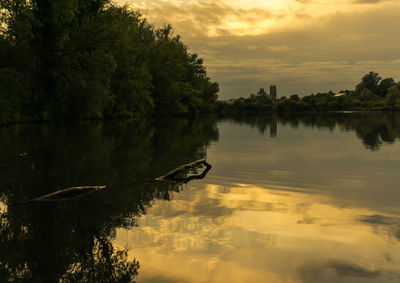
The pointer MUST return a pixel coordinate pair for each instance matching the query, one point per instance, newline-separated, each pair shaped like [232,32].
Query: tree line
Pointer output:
[83,59]
[372,93]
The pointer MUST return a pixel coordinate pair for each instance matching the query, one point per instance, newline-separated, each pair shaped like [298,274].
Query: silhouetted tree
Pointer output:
[369,81]
[392,100]
[67,59]
[384,86]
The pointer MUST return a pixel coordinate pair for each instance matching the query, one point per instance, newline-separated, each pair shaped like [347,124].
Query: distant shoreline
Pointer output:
[219,114]
[372,94]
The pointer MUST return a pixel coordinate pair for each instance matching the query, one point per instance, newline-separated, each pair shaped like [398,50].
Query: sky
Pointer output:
[302,46]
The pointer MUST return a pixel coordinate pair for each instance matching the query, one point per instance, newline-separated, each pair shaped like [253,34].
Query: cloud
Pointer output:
[333,55]
[378,219]
[208,18]
[302,46]
[334,271]
[389,224]
[369,1]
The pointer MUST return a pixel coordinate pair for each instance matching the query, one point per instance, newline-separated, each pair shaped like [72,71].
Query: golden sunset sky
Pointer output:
[302,46]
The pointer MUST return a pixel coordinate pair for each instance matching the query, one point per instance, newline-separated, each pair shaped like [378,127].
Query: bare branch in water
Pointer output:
[172,175]
[65,194]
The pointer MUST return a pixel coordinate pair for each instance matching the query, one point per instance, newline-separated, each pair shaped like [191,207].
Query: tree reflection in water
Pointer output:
[71,241]
[72,249]
[373,128]
[99,263]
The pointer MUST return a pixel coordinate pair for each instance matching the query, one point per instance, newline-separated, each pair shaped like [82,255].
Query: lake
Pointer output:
[289,198]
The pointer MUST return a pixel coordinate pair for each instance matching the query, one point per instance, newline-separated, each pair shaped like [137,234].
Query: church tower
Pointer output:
[272,91]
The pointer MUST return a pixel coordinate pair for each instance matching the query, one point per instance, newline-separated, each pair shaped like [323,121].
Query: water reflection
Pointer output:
[333,271]
[374,129]
[252,234]
[70,241]
[308,203]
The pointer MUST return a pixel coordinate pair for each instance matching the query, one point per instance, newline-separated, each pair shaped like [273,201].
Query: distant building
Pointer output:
[272,92]
[262,92]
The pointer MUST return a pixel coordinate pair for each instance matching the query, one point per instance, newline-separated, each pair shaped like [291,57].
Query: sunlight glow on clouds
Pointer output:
[242,17]
[287,42]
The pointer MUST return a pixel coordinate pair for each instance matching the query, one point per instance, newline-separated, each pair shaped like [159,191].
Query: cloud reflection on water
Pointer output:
[253,234]
[309,204]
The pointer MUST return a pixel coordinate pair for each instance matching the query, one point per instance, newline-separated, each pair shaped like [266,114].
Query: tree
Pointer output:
[369,81]
[180,80]
[12,94]
[90,58]
[392,100]
[366,95]
[384,86]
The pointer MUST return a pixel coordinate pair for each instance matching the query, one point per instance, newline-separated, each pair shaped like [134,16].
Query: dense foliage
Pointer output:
[372,93]
[80,59]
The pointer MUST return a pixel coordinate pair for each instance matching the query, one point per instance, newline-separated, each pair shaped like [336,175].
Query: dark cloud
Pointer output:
[331,56]
[369,1]
[307,220]
[378,219]
[335,271]
[390,225]
[331,52]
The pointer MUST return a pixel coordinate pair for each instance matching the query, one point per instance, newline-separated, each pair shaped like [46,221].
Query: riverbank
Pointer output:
[313,103]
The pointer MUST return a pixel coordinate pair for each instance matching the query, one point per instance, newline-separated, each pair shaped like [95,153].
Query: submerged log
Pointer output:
[172,175]
[64,194]
[195,177]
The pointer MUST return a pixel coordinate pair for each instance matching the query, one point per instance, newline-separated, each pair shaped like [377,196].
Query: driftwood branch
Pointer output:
[172,175]
[195,177]
[65,194]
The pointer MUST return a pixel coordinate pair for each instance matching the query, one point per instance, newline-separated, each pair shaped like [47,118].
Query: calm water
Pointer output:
[293,198]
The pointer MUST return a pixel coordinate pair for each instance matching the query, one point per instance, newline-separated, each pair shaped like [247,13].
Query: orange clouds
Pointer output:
[303,46]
